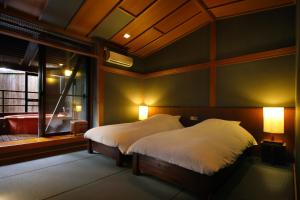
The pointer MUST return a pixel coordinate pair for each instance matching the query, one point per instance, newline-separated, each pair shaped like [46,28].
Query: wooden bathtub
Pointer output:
[28,123]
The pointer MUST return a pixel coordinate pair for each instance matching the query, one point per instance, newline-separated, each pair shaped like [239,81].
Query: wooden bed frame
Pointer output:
[200,184]
[112,152]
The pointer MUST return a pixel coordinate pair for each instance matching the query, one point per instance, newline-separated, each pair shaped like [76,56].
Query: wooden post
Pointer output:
[213,65]
[100,81]
[42,91]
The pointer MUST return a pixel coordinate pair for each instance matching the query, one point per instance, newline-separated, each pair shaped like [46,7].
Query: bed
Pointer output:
[114,140]
[197,158]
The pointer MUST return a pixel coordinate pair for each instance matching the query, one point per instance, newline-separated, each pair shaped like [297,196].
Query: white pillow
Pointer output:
[164,120]
[214,121]
[226,128]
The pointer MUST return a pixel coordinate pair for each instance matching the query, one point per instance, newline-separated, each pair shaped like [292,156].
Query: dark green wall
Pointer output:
[256,32]
[186,89]
[262,83]
[122,97]
[191,49]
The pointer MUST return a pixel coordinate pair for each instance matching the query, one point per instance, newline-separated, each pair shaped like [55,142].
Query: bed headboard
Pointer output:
[251,119]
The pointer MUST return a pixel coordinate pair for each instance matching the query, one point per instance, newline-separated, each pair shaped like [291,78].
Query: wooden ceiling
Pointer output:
[151,24]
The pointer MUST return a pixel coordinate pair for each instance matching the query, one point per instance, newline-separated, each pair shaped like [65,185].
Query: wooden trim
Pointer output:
[101,81]
[219,63]
[203,8]
[213,66]
[47,27]
[212,84]
[121,72]
[258,56]
[45,42]
[178,70]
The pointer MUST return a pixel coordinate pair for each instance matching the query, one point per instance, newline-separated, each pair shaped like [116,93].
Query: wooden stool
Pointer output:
[79,127]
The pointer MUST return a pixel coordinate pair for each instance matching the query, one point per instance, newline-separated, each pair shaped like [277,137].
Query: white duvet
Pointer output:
[205,148]
[124,135]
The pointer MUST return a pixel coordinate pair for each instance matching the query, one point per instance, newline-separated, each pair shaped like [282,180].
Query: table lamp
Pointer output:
[273,120]
[143,112]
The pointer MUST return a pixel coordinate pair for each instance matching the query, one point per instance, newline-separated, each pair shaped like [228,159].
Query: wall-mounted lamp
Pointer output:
[143,112]
[77,109]
[68,72]
[273,120]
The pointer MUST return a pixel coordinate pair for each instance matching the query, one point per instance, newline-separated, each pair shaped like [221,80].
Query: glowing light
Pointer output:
[78,108]
[126,35]
[143,112]
[68,72]
[60,64]
[51,80]
[273,120]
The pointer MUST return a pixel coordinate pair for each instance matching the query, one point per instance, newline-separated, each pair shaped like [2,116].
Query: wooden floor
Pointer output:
[28,149]
[15,137]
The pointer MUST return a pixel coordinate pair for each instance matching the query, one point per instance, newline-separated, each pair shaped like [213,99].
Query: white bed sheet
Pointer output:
[205,148]
[124,135]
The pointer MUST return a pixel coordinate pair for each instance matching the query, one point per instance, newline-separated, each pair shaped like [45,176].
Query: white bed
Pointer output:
[204,148]
[124,135]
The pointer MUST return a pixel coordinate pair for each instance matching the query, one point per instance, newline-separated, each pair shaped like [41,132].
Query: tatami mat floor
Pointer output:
[80,175]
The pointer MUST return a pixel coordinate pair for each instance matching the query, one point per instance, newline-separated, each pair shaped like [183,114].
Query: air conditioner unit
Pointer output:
[118,59]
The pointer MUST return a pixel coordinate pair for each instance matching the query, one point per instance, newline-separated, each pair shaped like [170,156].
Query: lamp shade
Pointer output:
[78,108]
[273,120]
[143,112]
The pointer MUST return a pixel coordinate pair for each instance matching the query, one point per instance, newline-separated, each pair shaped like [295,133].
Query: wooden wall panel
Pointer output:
[135,7]
[217,3]
[177,33]
[144,39]
[179,16]
[32,7]
[246,6]
[91,13]
[152,15]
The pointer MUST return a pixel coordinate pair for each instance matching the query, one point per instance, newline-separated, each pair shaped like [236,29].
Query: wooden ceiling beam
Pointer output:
[204,9]
[30,53]
[53,29]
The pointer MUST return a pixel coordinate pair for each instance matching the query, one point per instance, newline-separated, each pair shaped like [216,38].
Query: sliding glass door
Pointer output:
[42,89]
[66,90]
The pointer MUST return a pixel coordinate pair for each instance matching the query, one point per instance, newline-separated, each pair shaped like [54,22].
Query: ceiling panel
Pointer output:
[152,24]
[245,6]
[177,33]
[216,3]
[143,39]
[60,12]
[114,22]
[32,7]
[152,15]
[135,7]
[91,13]
[179,16]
